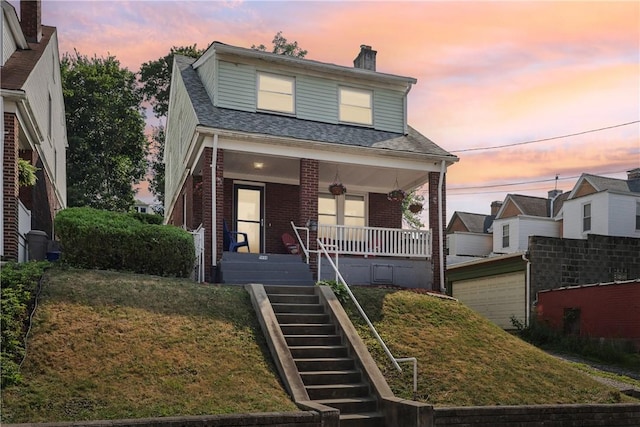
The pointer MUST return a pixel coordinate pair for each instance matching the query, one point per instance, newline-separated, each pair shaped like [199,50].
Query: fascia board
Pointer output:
[14,25]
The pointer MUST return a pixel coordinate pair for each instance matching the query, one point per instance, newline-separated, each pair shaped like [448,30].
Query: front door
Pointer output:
[249,214]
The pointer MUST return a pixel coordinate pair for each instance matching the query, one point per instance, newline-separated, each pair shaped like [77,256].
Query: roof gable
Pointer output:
[470,222]
[517,204]
[589,184]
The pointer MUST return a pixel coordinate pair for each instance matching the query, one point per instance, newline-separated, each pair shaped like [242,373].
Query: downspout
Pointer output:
[440,236]
[527,288]
[214,246]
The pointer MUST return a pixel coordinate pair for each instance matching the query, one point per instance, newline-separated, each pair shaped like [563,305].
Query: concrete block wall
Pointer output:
[557,262]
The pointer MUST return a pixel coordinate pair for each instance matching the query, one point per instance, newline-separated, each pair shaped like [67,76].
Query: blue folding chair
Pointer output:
[230,242]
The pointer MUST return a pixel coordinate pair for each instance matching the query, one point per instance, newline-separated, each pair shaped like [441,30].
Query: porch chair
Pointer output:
[291,244]
[230,242]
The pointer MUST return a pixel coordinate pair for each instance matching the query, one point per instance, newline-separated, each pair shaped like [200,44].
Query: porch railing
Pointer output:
[370,241]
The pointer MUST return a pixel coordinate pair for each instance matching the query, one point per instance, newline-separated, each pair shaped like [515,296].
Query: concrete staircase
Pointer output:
[269,269]
[330,374]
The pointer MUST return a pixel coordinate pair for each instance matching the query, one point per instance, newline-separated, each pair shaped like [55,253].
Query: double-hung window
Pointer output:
[505,236]
[637,215]
[356,106]
[348,210]
[586,217]
[276,93]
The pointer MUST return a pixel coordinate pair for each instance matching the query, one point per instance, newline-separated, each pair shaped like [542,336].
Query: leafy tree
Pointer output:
[156,166]
[155,77]
[413,220]
[105,127]
[282,47]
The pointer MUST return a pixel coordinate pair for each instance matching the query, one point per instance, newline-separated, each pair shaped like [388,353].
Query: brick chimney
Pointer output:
[495,207]
[633,174]
[366,58]
[31,20]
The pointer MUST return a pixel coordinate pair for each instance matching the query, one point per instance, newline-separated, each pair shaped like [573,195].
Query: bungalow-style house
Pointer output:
[33,129]
[255,140]
[605,206]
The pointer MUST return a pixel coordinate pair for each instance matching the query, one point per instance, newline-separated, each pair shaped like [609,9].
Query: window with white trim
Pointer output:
[356,106]
[586,217]
[276,93]
[349,210]
[637,215]
[505,236]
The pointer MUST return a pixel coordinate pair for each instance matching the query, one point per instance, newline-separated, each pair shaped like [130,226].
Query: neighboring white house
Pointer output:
[33,127]
[605,206]
[468,235]
[523,216]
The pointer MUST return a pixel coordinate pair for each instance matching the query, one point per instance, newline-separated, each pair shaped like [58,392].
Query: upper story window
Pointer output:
[505,236]
[356,106]
[276,93]
[637,215]
[586,217]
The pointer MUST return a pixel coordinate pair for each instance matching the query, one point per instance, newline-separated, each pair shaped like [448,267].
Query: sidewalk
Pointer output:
[629,389]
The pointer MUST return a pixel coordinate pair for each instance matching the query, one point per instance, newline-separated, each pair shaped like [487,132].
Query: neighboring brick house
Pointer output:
[33,126]
[602,310]
[272,132]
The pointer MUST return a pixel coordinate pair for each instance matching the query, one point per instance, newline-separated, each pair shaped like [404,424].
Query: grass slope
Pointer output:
[463,359]
[109,345]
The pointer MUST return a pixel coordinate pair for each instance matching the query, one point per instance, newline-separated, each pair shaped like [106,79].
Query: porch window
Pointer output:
[505,236]
[276,93]
[586,217]
[346,210]
[356,106]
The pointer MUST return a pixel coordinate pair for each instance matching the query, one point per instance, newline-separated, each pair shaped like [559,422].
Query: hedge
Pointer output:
[92,238]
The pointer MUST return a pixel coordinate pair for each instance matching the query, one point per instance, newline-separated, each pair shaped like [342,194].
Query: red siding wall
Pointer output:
[609,311]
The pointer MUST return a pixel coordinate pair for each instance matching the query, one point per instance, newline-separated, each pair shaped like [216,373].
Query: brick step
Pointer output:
[369,419]
[312,318]
[290,290]
[331,377]
[297,308]
[301,340]
[324,364]
[306,329]
[318,351]
[351,405]
[337,391]
[293,299]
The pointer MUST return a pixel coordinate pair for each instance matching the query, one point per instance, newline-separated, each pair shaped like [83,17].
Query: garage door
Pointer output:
[497,298]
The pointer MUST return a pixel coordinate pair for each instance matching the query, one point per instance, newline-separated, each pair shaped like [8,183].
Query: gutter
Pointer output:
[440,229]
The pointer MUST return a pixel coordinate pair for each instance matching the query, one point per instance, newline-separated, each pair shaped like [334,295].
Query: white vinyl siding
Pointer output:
[356,105]
[276,93]
[612,214]
[236,86]
[8,44]
[498,298]
[520,228]
[469,244]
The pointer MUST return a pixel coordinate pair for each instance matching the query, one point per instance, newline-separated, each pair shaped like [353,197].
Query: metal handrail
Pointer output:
[394,360]
[305,248]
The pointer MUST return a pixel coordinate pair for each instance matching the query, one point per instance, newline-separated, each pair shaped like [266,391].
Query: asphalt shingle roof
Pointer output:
[291,127]
[602,183]
[19,65]
[533,206]
[476,223]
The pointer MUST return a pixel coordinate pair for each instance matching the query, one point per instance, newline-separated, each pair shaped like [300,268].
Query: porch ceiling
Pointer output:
[287,170]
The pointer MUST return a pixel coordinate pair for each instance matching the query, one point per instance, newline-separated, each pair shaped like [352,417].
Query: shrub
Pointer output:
[19,284]
[147,218]
[338,289]
[105,240]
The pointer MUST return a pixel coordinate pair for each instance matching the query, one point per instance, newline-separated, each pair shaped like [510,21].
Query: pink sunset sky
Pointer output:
[489,73]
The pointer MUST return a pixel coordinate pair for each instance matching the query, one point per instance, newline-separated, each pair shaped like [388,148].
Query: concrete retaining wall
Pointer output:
[539,416]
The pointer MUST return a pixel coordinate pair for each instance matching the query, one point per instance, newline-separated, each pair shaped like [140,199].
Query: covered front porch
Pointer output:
[263,193]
